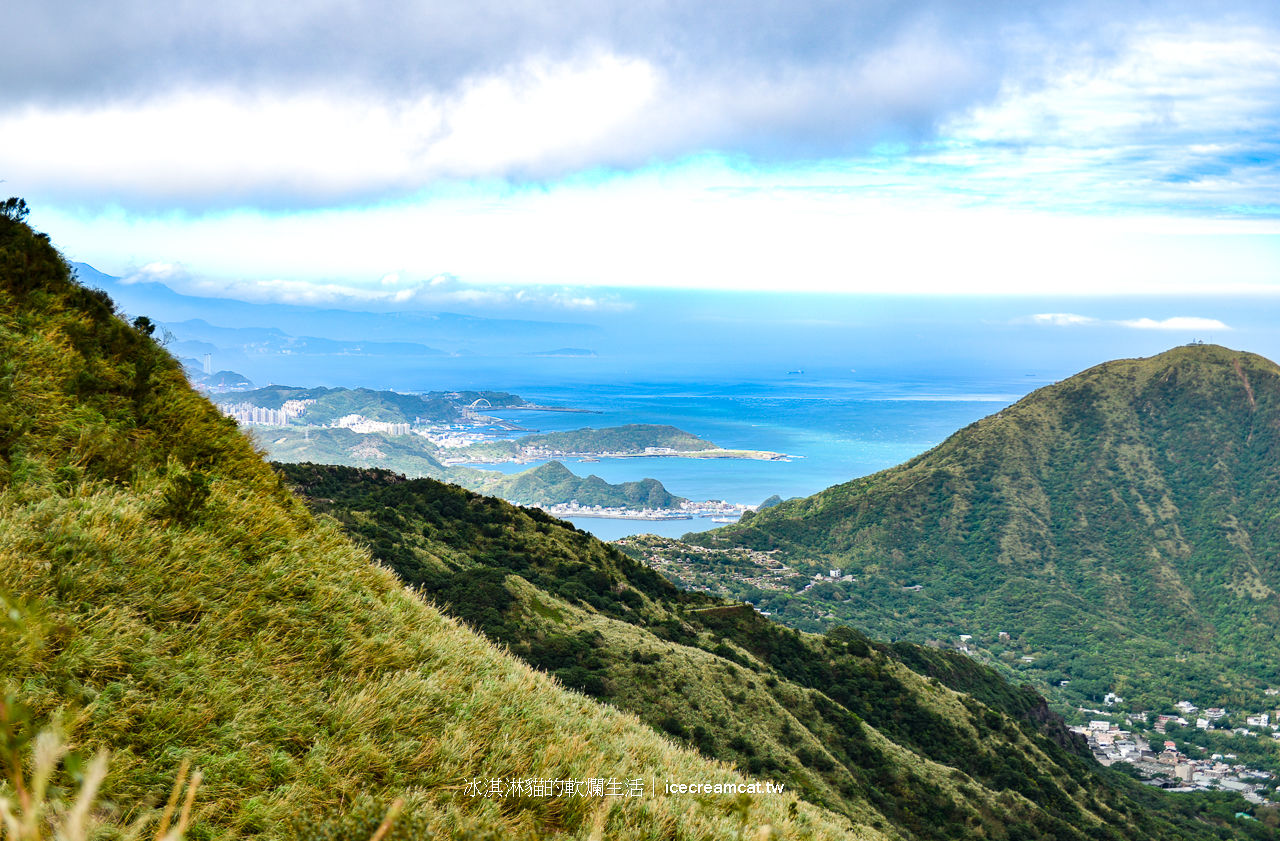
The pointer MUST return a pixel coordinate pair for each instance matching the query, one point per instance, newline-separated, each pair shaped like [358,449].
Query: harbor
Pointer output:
[717,511]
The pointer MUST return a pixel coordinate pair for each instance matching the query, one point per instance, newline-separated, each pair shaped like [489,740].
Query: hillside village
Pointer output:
[1165,766]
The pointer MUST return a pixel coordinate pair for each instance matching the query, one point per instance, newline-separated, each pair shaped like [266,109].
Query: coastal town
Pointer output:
[1166,764]
[476,439]
[718,510]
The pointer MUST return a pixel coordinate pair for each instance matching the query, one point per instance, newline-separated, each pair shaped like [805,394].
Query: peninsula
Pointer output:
[634,440]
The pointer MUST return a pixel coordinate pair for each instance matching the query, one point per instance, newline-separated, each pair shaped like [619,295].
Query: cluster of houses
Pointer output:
[1208,719]
[1176,770]
[734,565]
[827,577]
[573,509]
[363,425]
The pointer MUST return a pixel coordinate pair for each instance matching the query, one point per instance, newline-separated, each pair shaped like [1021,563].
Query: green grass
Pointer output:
[179,604]
[949,750]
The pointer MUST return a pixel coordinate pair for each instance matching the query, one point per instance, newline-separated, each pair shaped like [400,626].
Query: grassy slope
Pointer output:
[839,718]
[1120,525]
[411,455]
[178,602]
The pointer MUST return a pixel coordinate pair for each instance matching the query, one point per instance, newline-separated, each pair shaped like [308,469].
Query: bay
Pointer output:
[834,424]
[830,431]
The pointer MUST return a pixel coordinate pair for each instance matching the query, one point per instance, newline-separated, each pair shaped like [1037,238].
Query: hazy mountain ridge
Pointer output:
[1110,524]
[199,336]
[452,331]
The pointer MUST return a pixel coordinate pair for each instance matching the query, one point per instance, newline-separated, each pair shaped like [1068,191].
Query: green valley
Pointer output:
[167,600]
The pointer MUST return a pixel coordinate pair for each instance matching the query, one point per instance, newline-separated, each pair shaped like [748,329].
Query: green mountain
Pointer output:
[553,482]
[923,743]
[1119,530]
[166,598]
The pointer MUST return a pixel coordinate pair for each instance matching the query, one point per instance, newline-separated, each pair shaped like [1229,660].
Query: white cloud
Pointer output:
[170,274]
[1185,323]
[228,148]
[440,291]
[1060,319]
[1185,118]
[704,227]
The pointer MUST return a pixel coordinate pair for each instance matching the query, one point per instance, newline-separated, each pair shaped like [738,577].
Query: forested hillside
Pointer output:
[1118,529]
[927,742]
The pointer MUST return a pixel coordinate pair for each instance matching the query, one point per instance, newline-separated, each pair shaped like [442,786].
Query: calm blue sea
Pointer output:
[836,424]
[832,430]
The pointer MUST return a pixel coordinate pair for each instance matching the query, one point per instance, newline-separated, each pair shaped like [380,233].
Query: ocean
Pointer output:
[831,430]
[835,424]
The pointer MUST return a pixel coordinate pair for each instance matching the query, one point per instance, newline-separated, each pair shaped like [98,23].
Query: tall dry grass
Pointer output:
[182,606]
[33,809]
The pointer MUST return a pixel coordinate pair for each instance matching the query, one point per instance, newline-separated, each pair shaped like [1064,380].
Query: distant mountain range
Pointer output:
[197,337]
[564,351]
[270,328]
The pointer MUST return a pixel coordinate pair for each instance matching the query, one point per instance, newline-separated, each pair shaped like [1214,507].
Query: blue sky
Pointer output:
[500,156]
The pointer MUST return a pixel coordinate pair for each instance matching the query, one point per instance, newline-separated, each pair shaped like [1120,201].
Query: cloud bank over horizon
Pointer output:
[764,145]
[199,107]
